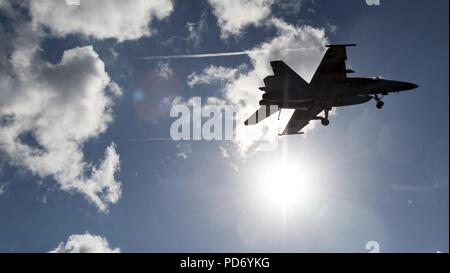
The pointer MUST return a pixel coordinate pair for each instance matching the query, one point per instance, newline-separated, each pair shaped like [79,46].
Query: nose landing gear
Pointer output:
[380,103]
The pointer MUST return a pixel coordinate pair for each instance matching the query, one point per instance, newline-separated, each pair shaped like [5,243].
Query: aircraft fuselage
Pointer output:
[352,91]
[329,87]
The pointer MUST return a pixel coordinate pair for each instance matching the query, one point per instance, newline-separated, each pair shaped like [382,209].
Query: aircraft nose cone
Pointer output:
[409,86]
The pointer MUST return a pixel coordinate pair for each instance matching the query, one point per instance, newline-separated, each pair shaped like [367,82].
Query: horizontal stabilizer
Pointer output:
[336,45]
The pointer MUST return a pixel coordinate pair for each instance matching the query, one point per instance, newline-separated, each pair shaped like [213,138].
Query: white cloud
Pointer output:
[163,71]
[242,89]
[235,15]
[224,152]
[332,28]
[182,155]
[122,20]
[183,149]
[197,29]
[85,243]
[214,73]
[3,187]
[290,6]
[4,4]
[48,111]
[5,46]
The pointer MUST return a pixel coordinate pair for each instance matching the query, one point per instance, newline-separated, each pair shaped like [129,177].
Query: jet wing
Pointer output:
[300,119]
[263,112]
[332,68]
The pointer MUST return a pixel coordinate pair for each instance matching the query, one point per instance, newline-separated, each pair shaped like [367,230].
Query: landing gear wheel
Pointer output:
[380,104]
[325,121]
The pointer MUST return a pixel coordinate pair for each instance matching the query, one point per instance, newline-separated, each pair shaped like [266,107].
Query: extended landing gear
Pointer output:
[324,120]
[380,103]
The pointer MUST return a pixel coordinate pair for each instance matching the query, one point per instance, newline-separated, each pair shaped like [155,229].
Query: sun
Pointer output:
[287,185]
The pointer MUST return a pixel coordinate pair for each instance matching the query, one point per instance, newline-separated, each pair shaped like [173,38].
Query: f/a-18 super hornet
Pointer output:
[330,87]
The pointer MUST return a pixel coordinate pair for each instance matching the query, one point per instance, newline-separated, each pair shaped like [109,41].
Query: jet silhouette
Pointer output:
[330,87]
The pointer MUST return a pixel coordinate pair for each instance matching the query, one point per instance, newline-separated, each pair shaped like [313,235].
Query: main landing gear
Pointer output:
[380,103]
[324,120]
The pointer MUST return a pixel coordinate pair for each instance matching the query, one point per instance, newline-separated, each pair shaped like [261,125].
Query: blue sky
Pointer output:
[376,175]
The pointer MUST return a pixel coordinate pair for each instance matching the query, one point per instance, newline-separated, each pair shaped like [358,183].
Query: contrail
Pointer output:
[211,55]
[135,139]
[142,139]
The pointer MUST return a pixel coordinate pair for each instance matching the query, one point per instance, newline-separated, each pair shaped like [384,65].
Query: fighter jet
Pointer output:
[330,87]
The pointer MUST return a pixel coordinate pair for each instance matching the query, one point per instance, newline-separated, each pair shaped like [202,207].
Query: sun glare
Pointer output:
[287,185]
